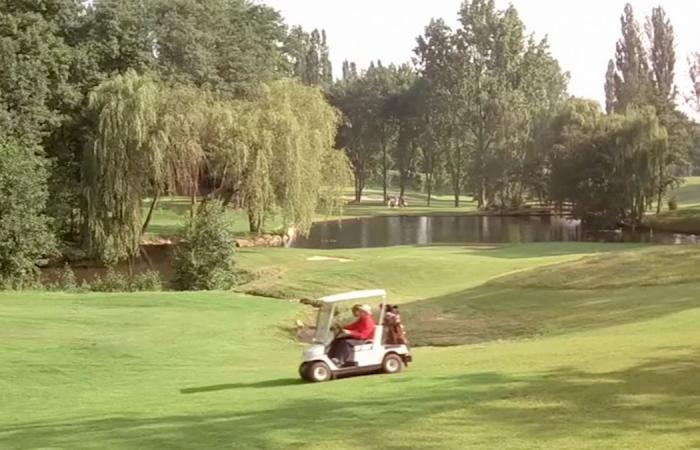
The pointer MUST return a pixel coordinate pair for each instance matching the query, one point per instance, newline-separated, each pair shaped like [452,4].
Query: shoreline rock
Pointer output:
[265,240]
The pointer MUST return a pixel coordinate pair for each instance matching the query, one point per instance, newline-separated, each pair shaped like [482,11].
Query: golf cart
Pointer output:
[373,356]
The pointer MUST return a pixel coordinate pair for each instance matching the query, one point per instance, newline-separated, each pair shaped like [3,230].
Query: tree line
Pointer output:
[484,110]
[109,102]
[106,103]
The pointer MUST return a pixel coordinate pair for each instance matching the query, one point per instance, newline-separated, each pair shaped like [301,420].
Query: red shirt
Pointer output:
[362,328]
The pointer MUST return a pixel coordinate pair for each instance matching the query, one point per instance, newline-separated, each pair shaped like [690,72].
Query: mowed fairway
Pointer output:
[561,346]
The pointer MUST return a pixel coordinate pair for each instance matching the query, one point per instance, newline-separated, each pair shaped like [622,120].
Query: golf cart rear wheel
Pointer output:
[319,372]
[304,371]
[392,363]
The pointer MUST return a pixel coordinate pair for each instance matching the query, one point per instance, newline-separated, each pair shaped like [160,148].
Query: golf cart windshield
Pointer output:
[324,321]
[330,317]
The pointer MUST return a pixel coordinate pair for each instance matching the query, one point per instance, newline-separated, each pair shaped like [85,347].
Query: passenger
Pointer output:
[352,334]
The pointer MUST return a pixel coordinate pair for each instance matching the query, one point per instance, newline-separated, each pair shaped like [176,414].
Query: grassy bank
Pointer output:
[466,295]
[172,212]
[686,219]
[571,346]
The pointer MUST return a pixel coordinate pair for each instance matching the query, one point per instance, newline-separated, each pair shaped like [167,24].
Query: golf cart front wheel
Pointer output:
[319,371]
[392,363]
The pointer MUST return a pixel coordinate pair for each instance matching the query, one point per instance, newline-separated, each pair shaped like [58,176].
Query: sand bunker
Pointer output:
[328,258]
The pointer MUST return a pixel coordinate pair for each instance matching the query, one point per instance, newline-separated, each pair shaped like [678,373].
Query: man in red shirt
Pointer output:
[355,333]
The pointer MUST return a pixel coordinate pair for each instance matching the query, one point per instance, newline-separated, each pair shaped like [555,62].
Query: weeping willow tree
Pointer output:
[644,142]
[184,113]
[337,176]
[146,141]
[620,162]
[280,158]
[606,166]
[126,155]
[274,153]
[225,138]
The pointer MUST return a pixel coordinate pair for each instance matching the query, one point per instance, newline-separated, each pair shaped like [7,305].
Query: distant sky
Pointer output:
[582,33]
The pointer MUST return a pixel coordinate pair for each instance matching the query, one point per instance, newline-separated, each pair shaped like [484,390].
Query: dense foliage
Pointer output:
[204,256]
[605,166]
[24,229]
[485,112]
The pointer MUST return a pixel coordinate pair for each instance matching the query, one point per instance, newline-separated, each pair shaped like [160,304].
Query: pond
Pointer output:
[423,230]
[387,231]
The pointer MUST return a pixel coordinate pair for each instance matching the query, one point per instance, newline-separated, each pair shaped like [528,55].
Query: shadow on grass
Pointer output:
[657,398]
[261,384]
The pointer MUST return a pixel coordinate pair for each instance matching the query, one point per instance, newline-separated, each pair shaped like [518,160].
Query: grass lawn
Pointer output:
[686,219]
[373,205]
[171,212]
[563,346]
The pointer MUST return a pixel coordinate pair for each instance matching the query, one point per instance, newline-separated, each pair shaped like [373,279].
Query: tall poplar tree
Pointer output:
[632,78]
[694,62]
[435,56]
[309,56]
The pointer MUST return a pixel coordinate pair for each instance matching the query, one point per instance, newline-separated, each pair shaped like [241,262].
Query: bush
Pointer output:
[673,204]
[66,279]
[147,281]
[24,228]
[112,281]
[204,255]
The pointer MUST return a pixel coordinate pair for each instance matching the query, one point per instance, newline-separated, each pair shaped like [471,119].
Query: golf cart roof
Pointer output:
[355,295]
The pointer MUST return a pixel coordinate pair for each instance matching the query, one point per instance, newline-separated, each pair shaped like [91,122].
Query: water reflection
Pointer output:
[422,230]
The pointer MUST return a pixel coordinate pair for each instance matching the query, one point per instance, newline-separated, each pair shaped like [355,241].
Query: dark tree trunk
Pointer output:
[661,190]
[254,223]
[145,256]
[149,216]
[228,199]
[359,188]
[481,197]
[385,171]
[430,187]
[193,197]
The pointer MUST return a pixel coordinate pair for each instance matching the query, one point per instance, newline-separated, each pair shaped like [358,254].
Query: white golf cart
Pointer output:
[373,356]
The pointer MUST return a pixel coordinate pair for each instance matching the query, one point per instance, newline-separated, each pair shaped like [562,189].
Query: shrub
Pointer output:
[85,286]
[112,281]
[147,281]
[24,228]
[66,279]
[204,255]
[673,204]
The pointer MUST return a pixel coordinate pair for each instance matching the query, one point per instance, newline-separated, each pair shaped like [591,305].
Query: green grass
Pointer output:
[373,204]
[688,194]
[560,350]
[408,273]
[171,212]
[686,219]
